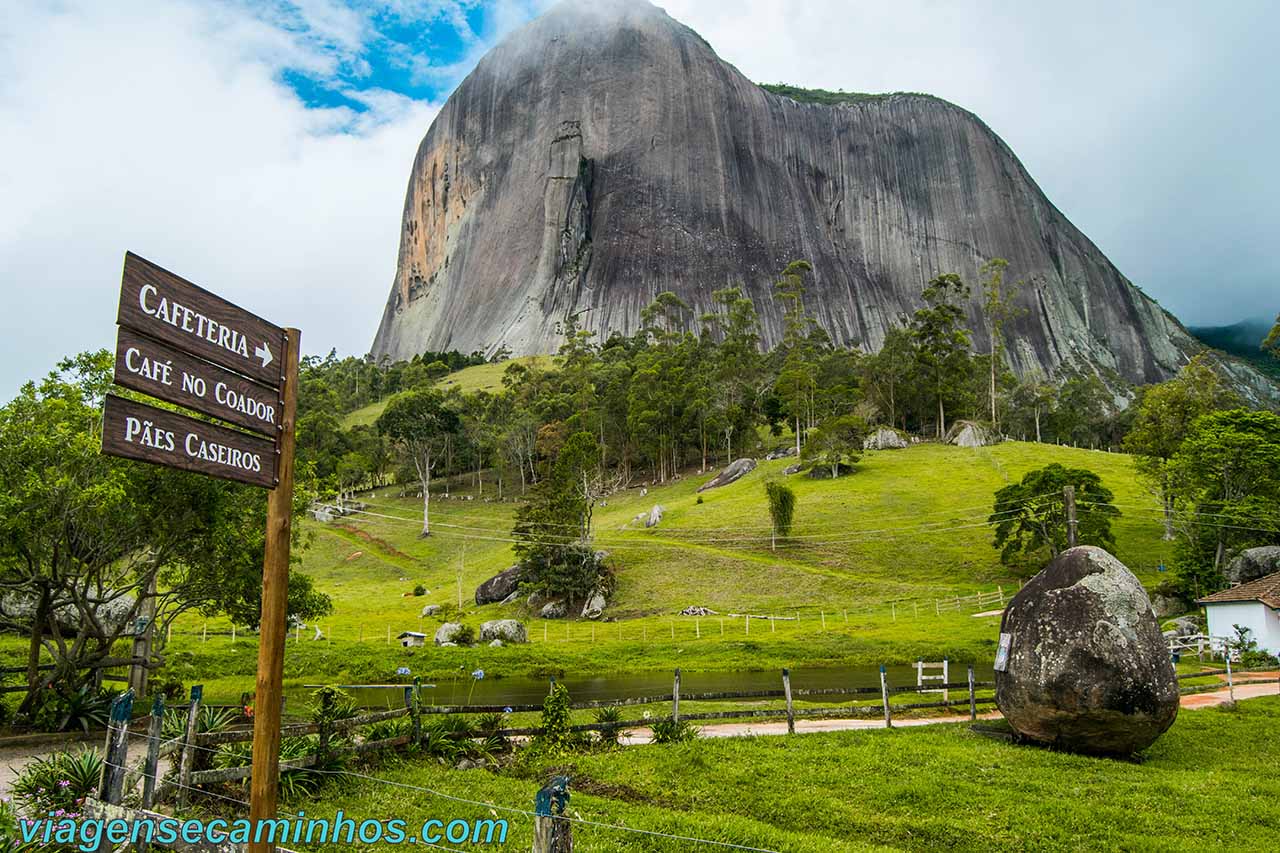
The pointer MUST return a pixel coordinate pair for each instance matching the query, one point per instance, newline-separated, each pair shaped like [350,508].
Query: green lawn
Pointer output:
[873,556]
[1207,784]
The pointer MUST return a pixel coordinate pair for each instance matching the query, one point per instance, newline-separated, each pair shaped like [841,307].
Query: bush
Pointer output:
[671,730]
[556,737]
[419,590]
[609,719]
[58,783]
[465,636]
[85,708]
[210,719]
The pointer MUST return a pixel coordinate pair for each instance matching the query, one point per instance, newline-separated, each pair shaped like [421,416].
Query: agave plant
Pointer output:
[58,781]
[209,719]
[609,719]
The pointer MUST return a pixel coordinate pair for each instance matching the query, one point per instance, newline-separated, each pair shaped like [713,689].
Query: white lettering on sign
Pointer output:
[195,323]
[211,451]
[142,432]
[233,399]
[194,384]
[137,363]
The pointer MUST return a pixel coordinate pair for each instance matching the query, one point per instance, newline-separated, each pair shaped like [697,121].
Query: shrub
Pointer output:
[609,719]
[387,729]
[59,781]
[210,719]
[419,590]
[699,500]
[1244,649]
[85,708]
[556,737]
[671,730]
[465,636]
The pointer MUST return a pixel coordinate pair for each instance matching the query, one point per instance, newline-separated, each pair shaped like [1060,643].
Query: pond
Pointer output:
[524,690]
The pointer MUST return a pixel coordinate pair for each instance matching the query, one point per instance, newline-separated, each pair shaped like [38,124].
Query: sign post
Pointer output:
[275,595]
[183,345]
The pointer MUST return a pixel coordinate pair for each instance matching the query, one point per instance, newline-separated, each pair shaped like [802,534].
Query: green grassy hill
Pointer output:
[481,377]
[873,557]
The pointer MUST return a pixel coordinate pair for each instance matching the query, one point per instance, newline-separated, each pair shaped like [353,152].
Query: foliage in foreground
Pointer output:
[1030,516]
[59,781]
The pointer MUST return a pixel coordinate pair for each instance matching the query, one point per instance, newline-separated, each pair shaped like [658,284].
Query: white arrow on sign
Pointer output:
[263,352]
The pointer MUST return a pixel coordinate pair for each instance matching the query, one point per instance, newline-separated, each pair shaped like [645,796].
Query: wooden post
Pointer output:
[846,617]
[544,632]
[326,726]
[673,629]
[388,635]
[189,745]
[973,700]
[552,832]
[275,591]
[1069,501]
[937,608]
[233,633]
[1231,687]
[822,614]
[773,625]
[117,750]
[1000,593]
[675,697]
[884,697]
[697,628]
[893,610]
[722,627]
[915,608]
[138,672]
[786,689]
[747,623]
[204,633]
[149,770]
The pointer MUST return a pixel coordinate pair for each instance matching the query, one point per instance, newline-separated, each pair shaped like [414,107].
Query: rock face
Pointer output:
[733,472]
[604,153]
[884,438]
[1088,670]
[506,630]
[1254,563]
[499,587]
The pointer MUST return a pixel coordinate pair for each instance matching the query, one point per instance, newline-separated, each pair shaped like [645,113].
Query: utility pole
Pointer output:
[1069,501]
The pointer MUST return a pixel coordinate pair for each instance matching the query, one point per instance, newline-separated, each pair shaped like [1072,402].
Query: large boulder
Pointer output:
[506,630]
[595,604]
[430,610]
[1087,669]
[884,438]
[735,471]
[448,634]
[970,434]
[1253,563]
[500,586]
[654,517]
[20,606]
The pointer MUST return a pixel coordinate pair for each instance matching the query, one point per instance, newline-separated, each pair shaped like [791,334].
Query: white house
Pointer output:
[412,639]
[1254,605]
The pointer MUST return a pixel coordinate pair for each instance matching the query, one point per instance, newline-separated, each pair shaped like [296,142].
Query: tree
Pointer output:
[1164,417]
[796,382]
[89,543]
[1272,343]
[1227,472]
[782,507]
[836,441]
[998,304]
[886,372]
[942,345]
[420,425]
[1030,516]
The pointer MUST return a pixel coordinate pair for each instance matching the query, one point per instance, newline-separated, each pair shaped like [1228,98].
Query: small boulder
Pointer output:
[535,600]
[430,610]
[496,644]
[554,610]
[884,438]
[793,469]
[735,471]
[1086,669]
[500,586]
[782,452]
[596,602]
[654,517]
[447,634]
[1253,563]
[1164,606]
[507,630]
[697,610]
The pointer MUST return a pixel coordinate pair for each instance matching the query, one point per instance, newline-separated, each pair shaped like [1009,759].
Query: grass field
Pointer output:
[481,377]
[1205,785]
[872,559]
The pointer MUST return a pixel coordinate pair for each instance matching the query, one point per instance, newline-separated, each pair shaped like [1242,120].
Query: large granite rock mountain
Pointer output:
[603,153]
[1087,669]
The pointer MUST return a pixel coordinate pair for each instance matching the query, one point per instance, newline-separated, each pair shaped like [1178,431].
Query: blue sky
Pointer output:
[262,149]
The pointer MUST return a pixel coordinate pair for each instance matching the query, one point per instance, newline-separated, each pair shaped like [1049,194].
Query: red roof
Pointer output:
[1264,589]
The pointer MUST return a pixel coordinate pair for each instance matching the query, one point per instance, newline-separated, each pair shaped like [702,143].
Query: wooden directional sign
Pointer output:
[135,431]
[171,309]
[175,377]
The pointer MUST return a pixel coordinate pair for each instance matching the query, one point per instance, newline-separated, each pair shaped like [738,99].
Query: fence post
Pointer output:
[786,689]
[149,771]
[822,614]
[893,609]
[326,726]
[748,624]
[973,701]
[415,710]
[552,832]
[675,698]
[697,629]
[937,608]
[1069,502]
[117,749]
[1231,688]
[884,696]
[188,744]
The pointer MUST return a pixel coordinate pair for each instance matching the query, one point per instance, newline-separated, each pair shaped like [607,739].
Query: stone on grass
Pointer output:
[1253,563]
[654,517]
[496,644]
[884,438]
[447,634]
[507,630]
[499,587]
[970,434]
[595,605]
[736,470]
[430,610]
[1087,668]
